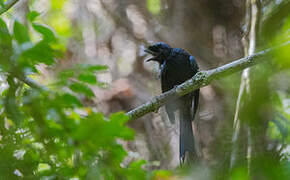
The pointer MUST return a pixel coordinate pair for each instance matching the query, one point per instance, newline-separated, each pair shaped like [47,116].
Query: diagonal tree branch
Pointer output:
[7,5]
[202,79]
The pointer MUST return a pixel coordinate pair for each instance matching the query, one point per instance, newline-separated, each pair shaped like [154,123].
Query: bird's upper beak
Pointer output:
[152,53]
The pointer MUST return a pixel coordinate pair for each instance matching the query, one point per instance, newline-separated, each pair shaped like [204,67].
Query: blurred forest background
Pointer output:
[88,57]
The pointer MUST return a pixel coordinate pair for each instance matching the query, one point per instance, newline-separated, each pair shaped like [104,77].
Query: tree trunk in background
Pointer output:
[249,41]
[210,30]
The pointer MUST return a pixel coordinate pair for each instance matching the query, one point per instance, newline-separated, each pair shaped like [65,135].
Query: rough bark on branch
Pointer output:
[7,5]
[201,79]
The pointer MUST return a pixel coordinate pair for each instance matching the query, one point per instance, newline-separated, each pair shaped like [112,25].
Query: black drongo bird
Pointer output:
[176,67]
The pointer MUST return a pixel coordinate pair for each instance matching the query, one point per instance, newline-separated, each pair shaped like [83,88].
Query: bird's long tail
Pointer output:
[187,145]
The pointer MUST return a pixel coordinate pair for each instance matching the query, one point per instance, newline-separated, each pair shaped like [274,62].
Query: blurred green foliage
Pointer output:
[51,134]
[274,31]
[264,113]
[154,6]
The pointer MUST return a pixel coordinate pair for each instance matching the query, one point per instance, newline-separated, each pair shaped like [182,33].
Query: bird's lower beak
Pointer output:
[152,53]
[151,59]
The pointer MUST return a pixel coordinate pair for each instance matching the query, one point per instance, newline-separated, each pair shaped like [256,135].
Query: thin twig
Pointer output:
[7,5]
[32,83]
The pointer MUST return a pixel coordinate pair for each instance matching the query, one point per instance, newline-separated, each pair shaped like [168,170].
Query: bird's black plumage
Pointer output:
[176,67]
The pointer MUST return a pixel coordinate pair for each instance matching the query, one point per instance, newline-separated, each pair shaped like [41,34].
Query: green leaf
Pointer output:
[43,167]
[46,32]
[118,121]
[65,75]
[82,89]
[92,128]
[40,53]
[137,164]
[97,68]
[162,174]
[135,170]
[119,117]
[5,46]
[117,153]
[92,68]
[71,100]
[88,78]
[4,33]
[31,16]
[20,33]
[126,133]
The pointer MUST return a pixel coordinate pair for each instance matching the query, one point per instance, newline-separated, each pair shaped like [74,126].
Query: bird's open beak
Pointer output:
[152,53]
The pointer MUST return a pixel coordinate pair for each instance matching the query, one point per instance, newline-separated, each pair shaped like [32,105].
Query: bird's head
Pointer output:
[159,51]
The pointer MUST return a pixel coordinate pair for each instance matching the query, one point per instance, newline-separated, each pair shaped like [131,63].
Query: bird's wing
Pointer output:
[195,102]
[193,64]
[195,93]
